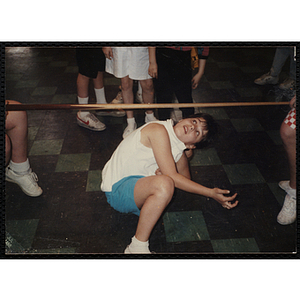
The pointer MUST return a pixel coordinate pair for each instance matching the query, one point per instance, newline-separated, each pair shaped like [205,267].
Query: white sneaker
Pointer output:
[118,99]
[287,214]
[27,182]
[111,113]
[130,128]
[128,251]
[285,185]
[139,97]
[90,121]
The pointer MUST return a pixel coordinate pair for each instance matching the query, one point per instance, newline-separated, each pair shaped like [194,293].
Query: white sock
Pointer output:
[100,96]
[150,117]
[20,168]
[83,100]
[137,246]
[131,122]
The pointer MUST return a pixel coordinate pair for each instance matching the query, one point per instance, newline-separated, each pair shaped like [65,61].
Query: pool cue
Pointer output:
[18,107]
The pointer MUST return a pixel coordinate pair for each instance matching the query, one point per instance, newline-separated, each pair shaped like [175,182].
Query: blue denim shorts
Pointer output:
[121,198]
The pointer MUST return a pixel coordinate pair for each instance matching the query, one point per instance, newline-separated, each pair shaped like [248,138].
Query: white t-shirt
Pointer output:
[133,158]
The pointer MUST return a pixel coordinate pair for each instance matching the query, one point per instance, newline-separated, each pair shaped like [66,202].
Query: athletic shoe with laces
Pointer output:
[287,214]
[90,121]
[118,99]
[27,182]
[130,128]
[266,79]
[111,113]
[128,251]
[287,84]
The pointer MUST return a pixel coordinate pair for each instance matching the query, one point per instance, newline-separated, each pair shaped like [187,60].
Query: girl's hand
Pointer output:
[153,70]
[218,195]
[108,52]
[195,80]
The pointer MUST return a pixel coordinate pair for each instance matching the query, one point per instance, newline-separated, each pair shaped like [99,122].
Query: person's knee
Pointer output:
[287,133]
[126,84]
[165,188]
[147,86]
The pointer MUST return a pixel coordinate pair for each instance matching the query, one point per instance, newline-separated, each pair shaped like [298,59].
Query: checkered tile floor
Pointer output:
[72,215]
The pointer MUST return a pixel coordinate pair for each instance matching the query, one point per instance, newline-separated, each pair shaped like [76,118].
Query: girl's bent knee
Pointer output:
[166,185]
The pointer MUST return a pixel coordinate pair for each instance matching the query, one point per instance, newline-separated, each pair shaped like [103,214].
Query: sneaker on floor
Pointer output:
[139,97]
[111,113]
[118,99]
[90,121]
[285,185]
[266,79]
[288,212]
[27,182]
[287,84]
[127,251]
[128,130]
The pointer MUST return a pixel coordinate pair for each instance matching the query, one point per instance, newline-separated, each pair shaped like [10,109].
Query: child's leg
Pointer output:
[127,93]
[152,195]
[147,92]
[16,129]
[82,86]
[288,136]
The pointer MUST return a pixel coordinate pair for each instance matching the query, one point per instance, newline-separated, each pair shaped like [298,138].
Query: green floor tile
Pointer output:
[11,245]
[64,99]
[32,131]
[73,162]
[243,174]
[218,85]
[275,136]
[217,113]
[22,231]
[185,226]
[205,157]
[94,181]
[44,91]
[244,245]
[26,84]
[46,147]
[249,92]
[246,125]
[55,251]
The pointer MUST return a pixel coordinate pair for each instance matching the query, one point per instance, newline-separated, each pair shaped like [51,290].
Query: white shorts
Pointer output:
[129,61]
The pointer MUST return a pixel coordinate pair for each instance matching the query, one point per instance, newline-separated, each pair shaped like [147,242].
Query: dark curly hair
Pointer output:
[211,125]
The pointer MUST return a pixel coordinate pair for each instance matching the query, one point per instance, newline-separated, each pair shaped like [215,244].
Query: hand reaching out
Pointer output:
[218,195]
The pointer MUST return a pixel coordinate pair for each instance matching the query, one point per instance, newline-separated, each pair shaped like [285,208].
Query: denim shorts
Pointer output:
[121,198]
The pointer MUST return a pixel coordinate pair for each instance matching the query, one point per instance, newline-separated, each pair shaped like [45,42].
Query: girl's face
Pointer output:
[191,131]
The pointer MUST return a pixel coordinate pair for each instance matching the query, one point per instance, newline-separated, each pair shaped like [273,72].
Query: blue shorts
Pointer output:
[121,198]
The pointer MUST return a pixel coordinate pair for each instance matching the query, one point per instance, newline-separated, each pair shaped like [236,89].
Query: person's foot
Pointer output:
[119,98]
[129,129]
[90,121]
[27,182]
[287,214]
[287,84]
[266,79]
[111,113]
[285,185]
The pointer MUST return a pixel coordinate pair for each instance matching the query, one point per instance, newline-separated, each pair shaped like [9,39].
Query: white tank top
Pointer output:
[133,158]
